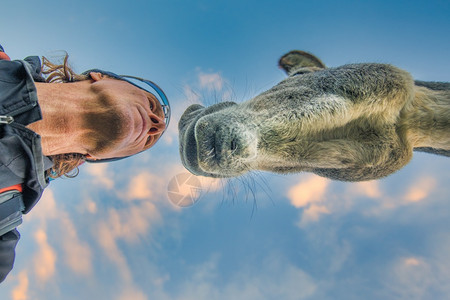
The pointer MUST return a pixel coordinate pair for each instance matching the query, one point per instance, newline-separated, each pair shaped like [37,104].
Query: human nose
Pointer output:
[157,124]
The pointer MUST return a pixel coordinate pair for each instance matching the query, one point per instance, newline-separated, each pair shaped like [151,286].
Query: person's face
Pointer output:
[122,120]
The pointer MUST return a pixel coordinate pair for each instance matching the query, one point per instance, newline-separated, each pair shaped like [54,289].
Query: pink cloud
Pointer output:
[45,259]
[420,189]
[20,292]
[313,213]
[309,190]
[77,253]
[369,189]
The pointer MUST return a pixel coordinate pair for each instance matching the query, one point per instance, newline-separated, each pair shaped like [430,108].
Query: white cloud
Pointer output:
[191,96]
[210,81]
[102,174]
[206,85]
[272,279]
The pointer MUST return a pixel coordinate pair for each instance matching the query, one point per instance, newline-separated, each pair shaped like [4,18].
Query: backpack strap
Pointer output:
[11,207]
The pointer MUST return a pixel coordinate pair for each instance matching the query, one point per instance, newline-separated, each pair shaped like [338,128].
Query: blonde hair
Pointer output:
[63,164]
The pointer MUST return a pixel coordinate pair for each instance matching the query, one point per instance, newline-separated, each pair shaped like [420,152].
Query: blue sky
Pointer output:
[111,233]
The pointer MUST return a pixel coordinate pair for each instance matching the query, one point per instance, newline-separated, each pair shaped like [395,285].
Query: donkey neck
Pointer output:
[427,117]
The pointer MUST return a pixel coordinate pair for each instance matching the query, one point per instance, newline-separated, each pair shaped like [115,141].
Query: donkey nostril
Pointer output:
[154,120]
[233,144]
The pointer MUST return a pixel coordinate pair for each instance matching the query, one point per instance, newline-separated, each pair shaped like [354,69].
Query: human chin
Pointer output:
[111,130]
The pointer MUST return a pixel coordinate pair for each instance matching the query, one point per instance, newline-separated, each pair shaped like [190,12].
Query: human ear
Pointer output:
[297,61]
[96,76]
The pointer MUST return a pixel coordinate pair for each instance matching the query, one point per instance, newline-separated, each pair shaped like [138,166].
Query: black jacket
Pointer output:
[21,158]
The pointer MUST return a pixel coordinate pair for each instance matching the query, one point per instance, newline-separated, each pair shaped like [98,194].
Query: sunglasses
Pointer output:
[146,85]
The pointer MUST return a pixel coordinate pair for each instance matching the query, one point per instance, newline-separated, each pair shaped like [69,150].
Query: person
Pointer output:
[107,117]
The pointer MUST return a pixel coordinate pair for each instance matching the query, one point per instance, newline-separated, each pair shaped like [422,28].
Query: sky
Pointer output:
[113,233]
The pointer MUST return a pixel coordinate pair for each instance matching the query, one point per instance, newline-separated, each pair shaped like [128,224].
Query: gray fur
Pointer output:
[352,123]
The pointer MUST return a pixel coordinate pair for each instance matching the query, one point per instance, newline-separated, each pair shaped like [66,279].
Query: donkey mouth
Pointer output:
[191,156]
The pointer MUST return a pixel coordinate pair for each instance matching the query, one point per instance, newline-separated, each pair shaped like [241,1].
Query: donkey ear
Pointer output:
[299,61]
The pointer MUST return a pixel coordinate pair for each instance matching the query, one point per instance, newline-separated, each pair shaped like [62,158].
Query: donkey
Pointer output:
[351,123]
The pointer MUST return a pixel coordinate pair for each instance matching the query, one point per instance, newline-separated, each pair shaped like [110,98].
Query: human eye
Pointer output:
[152,106]
[152,102]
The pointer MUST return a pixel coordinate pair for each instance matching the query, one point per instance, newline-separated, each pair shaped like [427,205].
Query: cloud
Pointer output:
[20,292]
[420,189]
[421,277]
[134,221]
[210,184]
[411,278]
[139,187]
[148,186]
[412,261]
[272,279]
[88,206]
[206,85]
[310,194]
[102,175]
[130,223]
[369,189]
[107,241]
[309,190]
[76,252]
[45,209]
[45,259]
[211,81]
[191,96]
[313,213]
[131,293]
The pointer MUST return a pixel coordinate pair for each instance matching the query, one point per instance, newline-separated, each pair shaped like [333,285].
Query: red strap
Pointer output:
[4,56]
[13,187]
